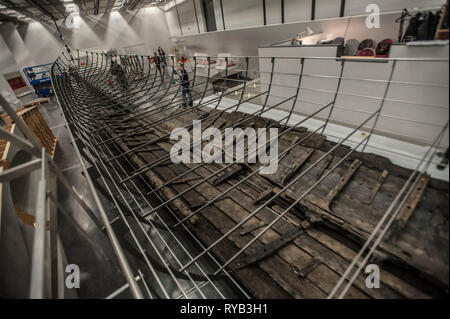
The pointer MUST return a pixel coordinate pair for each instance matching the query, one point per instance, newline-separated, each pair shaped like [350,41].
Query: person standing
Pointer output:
[157,61]
[162,55]
[185,86]
[117,70]
[444,162]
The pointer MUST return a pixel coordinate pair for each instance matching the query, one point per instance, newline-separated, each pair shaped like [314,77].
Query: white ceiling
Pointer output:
[25,11]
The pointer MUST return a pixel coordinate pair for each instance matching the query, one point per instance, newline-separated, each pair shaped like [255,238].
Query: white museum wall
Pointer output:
[249,26]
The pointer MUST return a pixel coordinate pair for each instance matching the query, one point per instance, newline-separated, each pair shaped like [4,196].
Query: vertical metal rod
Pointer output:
[342,10]
[86,64]
[37,281]
[245,84]
[226,75]
[147,289]
[178,16]
[78,59]
[272,60]
[52,214]
[282,11]
[335,96]
[313,9]
[196,17]
[386,91]
[302,61]
[264,12]
[223,16]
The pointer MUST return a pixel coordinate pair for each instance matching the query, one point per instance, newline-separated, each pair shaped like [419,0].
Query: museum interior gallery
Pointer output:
[224,149]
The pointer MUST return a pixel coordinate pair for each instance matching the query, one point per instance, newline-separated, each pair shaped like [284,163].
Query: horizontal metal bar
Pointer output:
[19,122]
[19,170]
[19,142]
[330,58]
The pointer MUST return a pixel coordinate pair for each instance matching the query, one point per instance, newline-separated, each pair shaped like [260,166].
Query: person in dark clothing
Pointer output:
[157,61]
[444,162]
[69,51]
[162,55]
[413,28]
[185,86]
[117,70]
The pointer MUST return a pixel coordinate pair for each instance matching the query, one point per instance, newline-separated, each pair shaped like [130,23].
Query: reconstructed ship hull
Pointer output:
[291,234]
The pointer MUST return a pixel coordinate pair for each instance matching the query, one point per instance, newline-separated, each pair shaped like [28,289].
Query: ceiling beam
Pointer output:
[133,6]
[59,7]
[37,6]
[14,6]
[81,6]
[49,14]
[8,18]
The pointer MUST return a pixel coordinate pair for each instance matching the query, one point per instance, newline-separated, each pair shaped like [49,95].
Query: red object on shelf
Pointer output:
[366,52]
[205,62]
[384,46]
[17,83]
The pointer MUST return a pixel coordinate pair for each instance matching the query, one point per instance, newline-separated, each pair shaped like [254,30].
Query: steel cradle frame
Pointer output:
[94,105]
